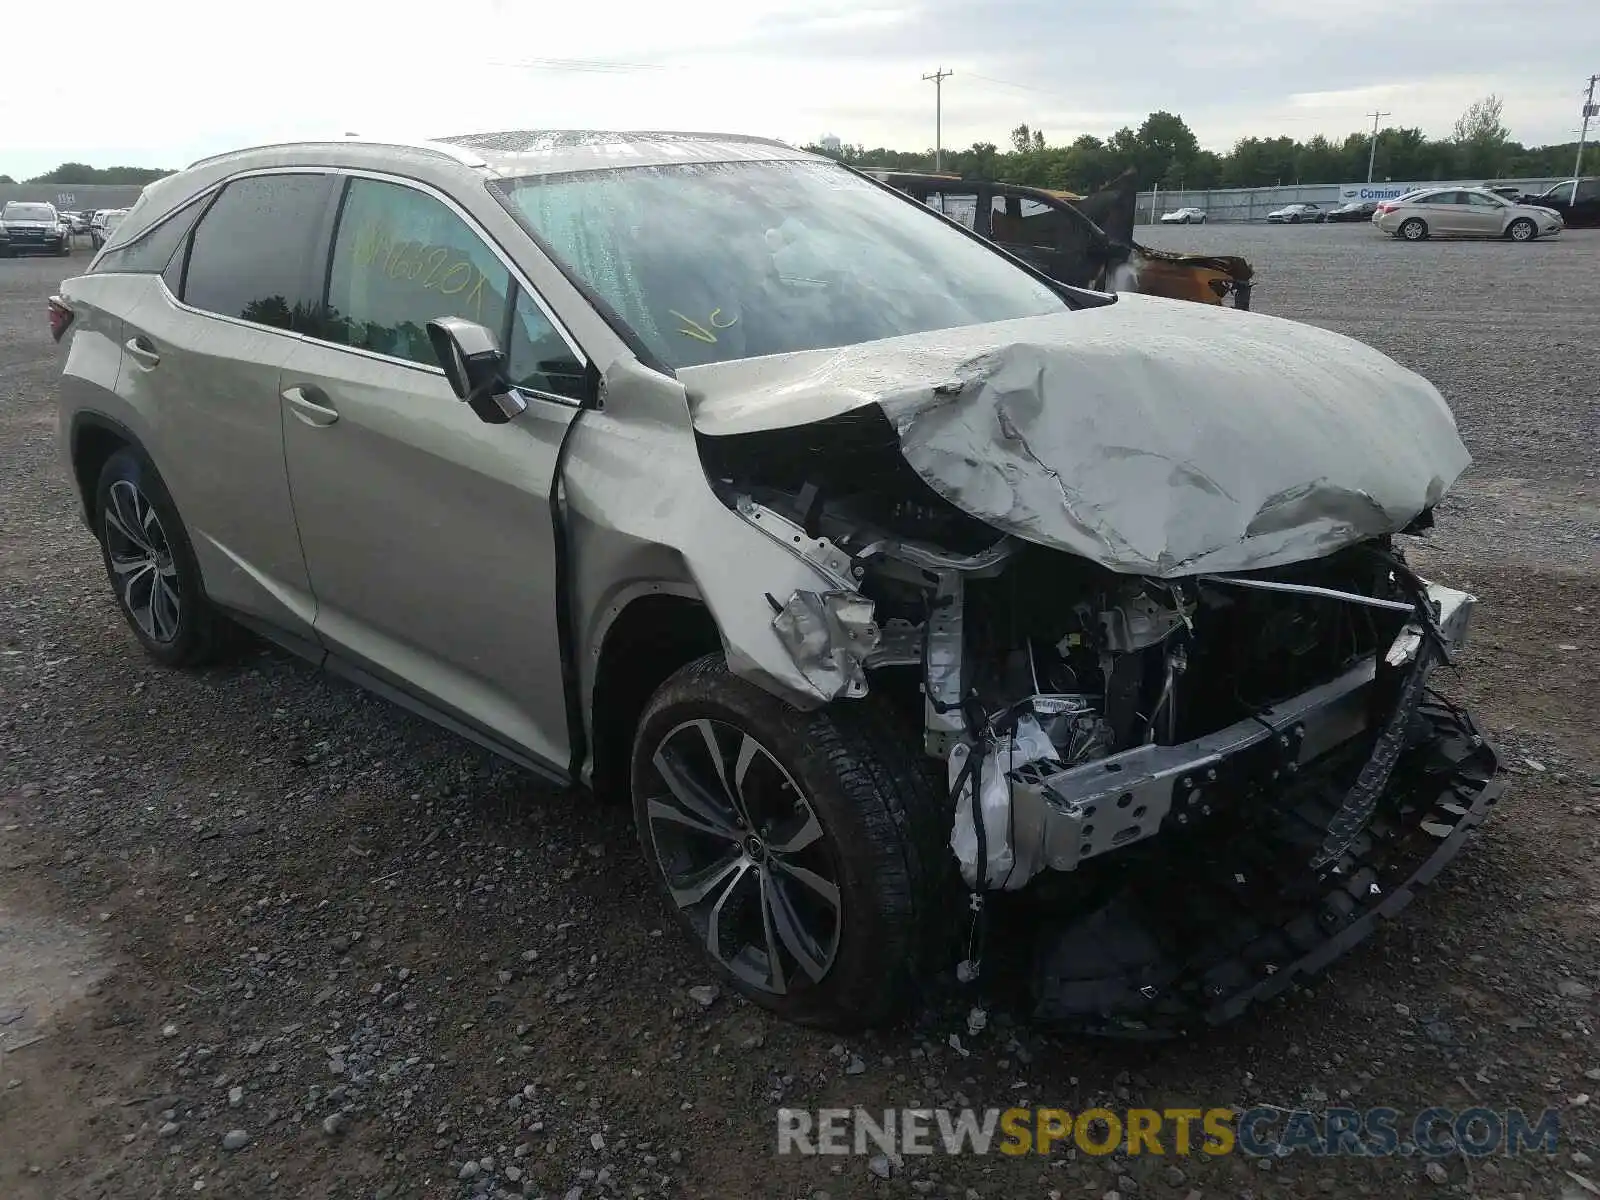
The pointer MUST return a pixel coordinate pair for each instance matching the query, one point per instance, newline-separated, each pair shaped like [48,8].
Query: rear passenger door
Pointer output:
[428,534]
[201,357]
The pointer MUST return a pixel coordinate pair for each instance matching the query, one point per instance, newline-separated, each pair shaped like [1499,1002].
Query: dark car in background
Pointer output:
[1577,200]
[28,226]
[1355,210]
[1086,241]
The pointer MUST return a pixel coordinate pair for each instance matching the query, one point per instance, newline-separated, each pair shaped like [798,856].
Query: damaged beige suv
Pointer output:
[884,573]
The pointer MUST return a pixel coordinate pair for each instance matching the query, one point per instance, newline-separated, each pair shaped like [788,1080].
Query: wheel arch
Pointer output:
[92,439]
[648,633]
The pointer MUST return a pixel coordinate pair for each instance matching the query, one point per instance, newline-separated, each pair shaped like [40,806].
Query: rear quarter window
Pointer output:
[152,250]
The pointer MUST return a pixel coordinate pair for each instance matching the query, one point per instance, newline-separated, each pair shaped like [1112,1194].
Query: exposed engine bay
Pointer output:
[1083,717]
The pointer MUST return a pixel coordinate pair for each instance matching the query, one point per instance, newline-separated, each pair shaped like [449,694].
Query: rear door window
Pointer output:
[958,206]
[254,253]
[1021,220]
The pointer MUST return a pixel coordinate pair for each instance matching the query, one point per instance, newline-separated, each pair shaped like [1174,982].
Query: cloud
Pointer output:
[177,79]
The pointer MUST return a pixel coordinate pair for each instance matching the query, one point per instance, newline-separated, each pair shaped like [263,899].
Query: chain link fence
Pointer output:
[1253,204]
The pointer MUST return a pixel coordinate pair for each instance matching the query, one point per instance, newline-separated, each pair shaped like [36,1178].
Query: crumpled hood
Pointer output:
[1154,437]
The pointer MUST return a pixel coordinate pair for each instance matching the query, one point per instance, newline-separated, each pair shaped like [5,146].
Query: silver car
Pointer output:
[879,572]
[1463,212]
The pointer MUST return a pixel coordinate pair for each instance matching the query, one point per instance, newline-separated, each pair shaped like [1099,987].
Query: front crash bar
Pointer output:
[1063,815]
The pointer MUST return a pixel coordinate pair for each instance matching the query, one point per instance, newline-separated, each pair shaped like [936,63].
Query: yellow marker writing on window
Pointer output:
[694,329]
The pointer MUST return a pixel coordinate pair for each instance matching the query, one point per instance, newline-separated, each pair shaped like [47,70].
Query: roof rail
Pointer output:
[460,154]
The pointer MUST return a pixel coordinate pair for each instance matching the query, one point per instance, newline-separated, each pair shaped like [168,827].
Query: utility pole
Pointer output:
[1590,109]
[1372,155]
[938,78]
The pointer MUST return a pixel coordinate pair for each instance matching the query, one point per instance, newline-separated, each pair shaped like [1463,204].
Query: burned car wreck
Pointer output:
[1135,577]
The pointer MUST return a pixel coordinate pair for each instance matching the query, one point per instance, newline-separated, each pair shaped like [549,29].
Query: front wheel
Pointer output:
[1522,230]
[1414,229]
[802,852]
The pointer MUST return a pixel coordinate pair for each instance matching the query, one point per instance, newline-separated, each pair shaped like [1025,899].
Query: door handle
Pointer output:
[311,405]
[142,350]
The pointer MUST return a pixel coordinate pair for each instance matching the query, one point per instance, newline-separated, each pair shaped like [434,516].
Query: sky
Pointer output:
[168,81]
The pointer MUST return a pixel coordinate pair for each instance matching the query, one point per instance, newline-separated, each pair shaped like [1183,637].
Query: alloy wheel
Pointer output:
[141,562]
[744,856]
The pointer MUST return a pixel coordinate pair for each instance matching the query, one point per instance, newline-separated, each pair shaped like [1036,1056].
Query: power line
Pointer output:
[938,78]
[577,64]
[1021,87]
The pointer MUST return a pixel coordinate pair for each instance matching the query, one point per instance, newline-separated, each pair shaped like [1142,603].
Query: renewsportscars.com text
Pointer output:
[1372,1132]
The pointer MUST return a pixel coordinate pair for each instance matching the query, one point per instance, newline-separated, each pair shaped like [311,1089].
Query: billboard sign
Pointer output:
[1387,190]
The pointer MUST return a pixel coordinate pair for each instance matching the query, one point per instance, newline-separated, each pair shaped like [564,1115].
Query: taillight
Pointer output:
[61,315]
[1386,208]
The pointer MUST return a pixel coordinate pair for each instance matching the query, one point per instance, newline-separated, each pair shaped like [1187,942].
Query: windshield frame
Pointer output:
[503,189]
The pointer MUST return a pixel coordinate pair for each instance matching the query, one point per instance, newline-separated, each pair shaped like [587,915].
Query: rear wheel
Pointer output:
[803,852]
[151,565]
[1414,229]
[1522,230]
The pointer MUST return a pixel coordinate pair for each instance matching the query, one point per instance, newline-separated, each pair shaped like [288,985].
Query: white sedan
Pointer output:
[1184,216]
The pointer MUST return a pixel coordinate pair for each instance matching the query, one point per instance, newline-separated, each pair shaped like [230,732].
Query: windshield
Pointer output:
[714,262]
[28,212]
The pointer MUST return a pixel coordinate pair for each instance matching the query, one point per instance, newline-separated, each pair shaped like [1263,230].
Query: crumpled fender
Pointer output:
[642,519]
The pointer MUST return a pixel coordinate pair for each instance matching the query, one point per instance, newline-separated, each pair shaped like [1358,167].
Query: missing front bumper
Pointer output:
[1236,916]
[1060,817]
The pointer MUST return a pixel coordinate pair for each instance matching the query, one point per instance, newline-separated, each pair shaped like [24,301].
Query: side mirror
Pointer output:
[476,368]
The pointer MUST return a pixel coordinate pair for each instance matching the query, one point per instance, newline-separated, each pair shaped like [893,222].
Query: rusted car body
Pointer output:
[1086,241]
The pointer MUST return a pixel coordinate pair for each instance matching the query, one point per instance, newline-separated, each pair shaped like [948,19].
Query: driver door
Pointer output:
[428,534]
[1482,216]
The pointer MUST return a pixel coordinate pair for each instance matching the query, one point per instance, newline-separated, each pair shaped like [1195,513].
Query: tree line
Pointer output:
[1164,152]
[81,173]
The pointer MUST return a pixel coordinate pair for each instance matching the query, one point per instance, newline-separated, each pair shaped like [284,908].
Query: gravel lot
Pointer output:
[263,935]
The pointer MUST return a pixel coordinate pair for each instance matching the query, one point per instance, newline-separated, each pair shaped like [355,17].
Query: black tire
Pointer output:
[1412,229]
[883,835]
[1522,230]
[130,492]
